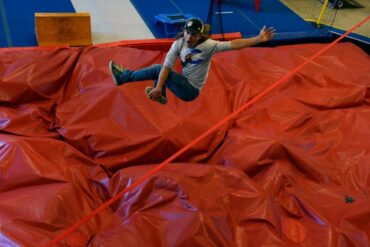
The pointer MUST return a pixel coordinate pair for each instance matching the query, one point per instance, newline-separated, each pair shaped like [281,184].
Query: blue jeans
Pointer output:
[177,83]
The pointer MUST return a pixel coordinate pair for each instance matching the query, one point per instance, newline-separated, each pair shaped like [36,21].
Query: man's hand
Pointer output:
[266,34]
[155,94]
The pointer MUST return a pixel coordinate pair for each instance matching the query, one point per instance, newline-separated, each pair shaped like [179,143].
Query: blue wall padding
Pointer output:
[20,16]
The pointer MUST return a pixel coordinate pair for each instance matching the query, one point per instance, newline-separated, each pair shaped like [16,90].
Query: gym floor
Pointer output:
[116,20]
[343,18]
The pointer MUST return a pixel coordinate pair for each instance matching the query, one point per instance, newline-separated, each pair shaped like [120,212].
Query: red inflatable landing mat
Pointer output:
[291,170]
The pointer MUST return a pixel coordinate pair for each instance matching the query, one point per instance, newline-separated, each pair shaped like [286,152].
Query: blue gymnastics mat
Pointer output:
[237,16]
[18,19]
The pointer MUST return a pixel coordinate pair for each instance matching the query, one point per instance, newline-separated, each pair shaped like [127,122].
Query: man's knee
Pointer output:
[156,68]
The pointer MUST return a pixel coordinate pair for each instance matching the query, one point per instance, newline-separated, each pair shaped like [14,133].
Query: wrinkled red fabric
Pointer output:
[291,170]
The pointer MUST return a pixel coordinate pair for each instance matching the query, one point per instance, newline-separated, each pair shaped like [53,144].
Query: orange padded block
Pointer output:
[72,29]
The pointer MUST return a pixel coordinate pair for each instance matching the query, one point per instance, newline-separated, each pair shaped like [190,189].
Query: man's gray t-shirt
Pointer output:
[195,61]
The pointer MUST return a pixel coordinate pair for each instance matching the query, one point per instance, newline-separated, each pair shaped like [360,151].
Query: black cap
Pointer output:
[194,25]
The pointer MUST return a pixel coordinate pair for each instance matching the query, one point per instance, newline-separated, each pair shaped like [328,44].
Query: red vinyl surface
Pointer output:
[291,170]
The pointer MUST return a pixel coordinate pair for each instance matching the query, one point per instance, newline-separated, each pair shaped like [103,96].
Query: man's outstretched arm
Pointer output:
[266,34]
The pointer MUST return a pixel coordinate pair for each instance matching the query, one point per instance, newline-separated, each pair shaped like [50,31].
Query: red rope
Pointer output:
[146,176]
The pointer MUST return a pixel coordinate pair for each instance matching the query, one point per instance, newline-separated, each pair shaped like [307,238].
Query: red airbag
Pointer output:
[291,170]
